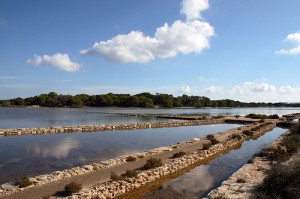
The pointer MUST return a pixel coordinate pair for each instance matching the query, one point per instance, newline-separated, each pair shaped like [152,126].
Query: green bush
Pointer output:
[283,181]
[73,187]
[178,155]
[24,182]
[130,159]
[152,163]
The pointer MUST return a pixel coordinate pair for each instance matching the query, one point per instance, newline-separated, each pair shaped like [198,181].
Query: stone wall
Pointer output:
[107,127]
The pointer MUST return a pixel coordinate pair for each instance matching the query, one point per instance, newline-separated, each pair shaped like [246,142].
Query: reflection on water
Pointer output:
[60,149]
[37,154]
[200,181]
[45,117]
[191,184]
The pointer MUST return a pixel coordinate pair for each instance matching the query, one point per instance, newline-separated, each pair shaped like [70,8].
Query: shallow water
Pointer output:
[38,154]
[201,180]
[45,117]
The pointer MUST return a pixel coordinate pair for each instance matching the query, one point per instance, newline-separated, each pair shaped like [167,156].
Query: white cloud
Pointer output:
[213,90]
[192,8]
[252,87]
[295,39]
[168,41]
[263,92]
[185,89]
[59,60]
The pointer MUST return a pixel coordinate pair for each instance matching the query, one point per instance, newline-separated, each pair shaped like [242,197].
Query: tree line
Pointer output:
[145,100]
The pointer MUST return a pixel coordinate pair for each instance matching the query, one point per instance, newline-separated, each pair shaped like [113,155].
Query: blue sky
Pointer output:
[242,50]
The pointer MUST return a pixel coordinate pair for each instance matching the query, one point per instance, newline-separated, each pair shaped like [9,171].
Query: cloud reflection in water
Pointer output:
[60,149]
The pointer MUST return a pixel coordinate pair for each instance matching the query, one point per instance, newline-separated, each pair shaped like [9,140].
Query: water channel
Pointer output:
[201,180]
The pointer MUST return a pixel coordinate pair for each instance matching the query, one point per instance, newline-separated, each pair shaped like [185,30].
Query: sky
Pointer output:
[224,49]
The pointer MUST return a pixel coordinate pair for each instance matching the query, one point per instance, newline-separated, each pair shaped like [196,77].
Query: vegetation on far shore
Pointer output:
[146,100]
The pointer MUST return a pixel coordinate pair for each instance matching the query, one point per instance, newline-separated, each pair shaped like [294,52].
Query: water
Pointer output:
[206,111]
[200,181]
[38,154]
[45,117]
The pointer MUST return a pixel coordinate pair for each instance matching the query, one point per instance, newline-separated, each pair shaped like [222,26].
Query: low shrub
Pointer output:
[218,117]
[283,181]
[130,173]
[240,180]
[262,121]
[130,159]
[24,182]
[141,156]
[250,161]
[73,187]
[214,141]
[292,143]
[115,177]
[236,136]
[275,154]
[152,163]
[295,129]
[210,136]
[206,146]
[248,133]
[178,155]
[237,116]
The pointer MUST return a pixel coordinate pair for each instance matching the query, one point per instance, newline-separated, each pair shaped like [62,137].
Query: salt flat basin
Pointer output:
[32,155]
[201,180]
[46,117]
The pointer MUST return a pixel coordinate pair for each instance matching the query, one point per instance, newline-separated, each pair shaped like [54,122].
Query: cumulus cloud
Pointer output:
[252,87]
[185,89]
[192,36]
[192,8]
[213,90]
[264,92]
[295,39]
[59,60]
